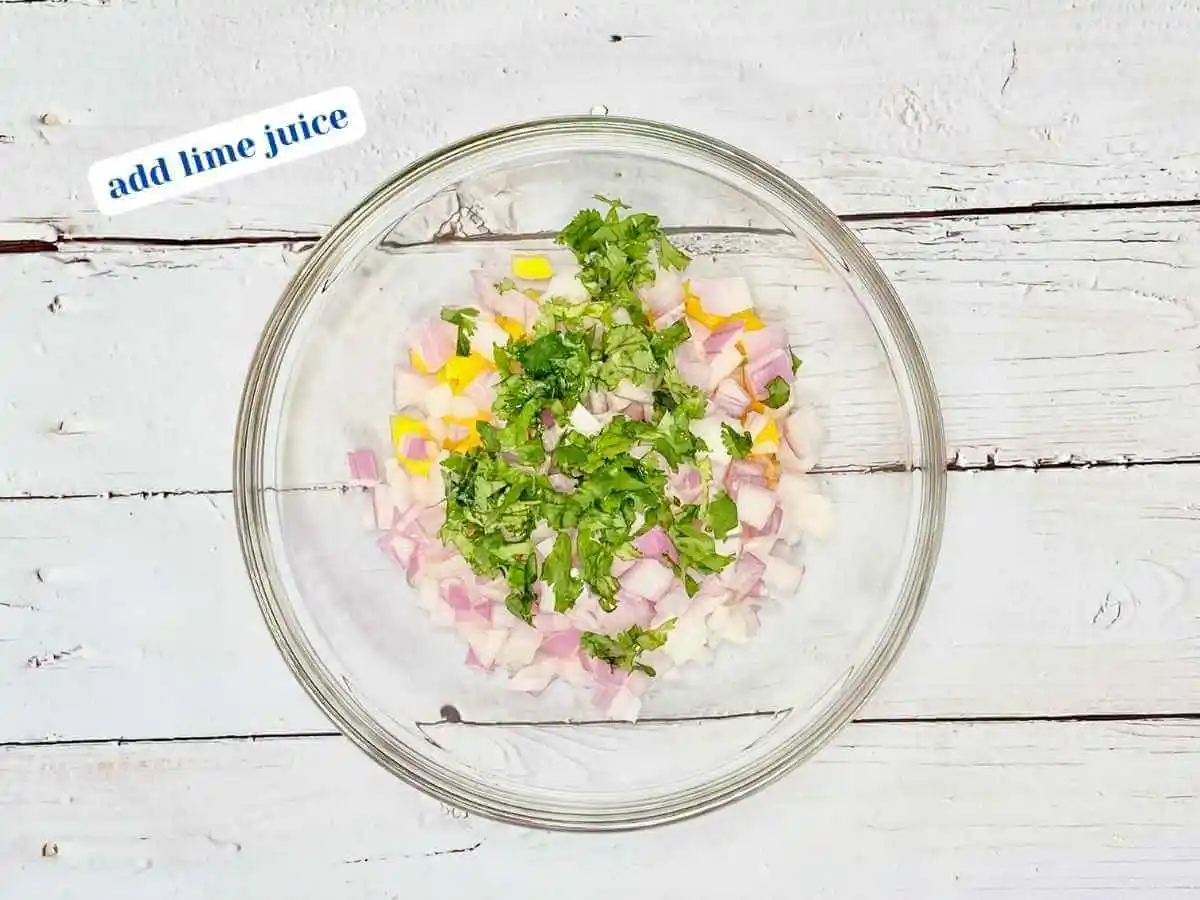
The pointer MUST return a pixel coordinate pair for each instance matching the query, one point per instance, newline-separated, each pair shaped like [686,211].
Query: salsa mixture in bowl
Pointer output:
[599,472]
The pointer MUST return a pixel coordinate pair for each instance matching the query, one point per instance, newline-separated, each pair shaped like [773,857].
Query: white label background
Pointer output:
[251,126]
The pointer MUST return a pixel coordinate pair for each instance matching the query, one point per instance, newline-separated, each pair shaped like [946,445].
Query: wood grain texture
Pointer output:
[877,107]
[1058,593]
[916,811]
[1051,336]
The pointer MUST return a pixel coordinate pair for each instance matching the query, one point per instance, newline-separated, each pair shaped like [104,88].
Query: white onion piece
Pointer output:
[723,365]
[584,422]
[759,344]
[755,505]
[687,638]
[732,623]
[730,399]
[665,293]
[534,678]
[723,296]
[694,371]
[762,546]
[782,578]
[486,642]
[634,393]
[487,337]
[625,706]
[708,429]
[437,401]
[520,648]
[648,578]
[567,286]
[409,388]
[761,372]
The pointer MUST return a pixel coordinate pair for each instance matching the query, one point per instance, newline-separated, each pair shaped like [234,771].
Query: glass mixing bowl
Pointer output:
[344,617]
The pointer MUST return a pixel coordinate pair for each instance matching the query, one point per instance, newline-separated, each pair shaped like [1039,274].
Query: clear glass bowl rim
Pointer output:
[352,234]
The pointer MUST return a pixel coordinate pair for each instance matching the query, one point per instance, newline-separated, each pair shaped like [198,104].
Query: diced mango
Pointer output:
[768,434]
[469,440]
[691,305]
[460,371]
[532,268]
[403,426]
[514,328]
[418,363]
[750,320]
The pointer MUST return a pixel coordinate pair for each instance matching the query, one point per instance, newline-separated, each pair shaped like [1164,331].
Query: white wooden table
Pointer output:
[1027,172]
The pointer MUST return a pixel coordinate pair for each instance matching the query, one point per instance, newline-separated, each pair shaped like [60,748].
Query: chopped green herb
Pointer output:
[464,318]
[722,515]
[795,363]
[623,650]
[778,392]
[738,443]
[500,492]
[558,572]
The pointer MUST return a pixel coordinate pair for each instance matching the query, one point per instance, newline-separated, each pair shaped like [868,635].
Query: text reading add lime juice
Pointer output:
[262,140]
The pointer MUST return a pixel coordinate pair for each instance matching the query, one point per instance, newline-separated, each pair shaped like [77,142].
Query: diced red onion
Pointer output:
[744,577]
[364,467]
[634,393]
[520,648]
[782,578]
[730,400]
[456,595]
[665,293]
[631,610]
[723,365]
[534,678]
[755,505]
[482,390]
[742,472]
[385,508]
[770,528]
[485,290]
[723,296]
[473,661]
[647,578]
[685,484]
[434,341]
[762,372]
[655,544]
[724,335]
[564,484]
[694,372]
[758,344]
[668,318]
[561,644]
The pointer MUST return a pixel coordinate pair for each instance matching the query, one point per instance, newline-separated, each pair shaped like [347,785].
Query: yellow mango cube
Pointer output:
[460,371]
[532,268]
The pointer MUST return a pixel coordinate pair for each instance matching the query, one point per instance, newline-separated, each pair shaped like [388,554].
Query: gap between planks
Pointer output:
[65,240]
[991,463]
[916,721]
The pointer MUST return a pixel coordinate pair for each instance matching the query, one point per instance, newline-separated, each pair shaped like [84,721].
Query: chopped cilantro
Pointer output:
[499,492]
[557,571]
[795,363]
[722,515]
[738,443]
[778,392]
[464,318]
[623,650]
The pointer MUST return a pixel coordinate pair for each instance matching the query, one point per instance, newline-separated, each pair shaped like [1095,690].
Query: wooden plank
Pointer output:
[1051,336]
[1058,593]
[1019,103]
[953,810]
